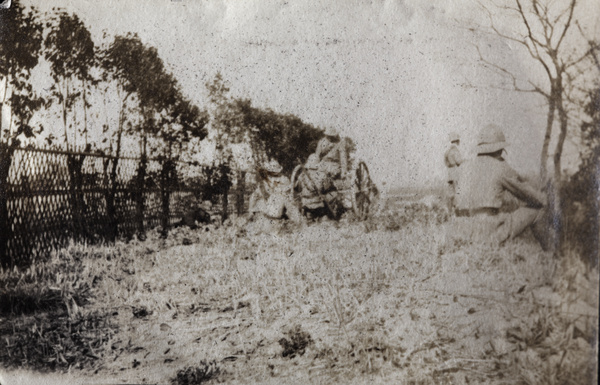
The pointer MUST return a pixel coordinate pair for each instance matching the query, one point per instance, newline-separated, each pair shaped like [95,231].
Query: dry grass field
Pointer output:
[389,300]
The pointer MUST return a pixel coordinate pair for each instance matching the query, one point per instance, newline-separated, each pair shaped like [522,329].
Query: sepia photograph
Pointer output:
[299,192]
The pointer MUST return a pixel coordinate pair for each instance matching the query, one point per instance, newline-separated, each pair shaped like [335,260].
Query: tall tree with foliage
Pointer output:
[225,120]
[283,137]
[226,131]
[20,46]
[71,53]
[152,107]
[21,37]
[120,63]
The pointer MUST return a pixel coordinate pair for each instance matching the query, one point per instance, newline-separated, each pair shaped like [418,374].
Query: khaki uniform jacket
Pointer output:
[333,156]
[453,159]
[482,182]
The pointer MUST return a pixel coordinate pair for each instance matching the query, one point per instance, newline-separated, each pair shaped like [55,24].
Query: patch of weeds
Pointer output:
[193,375]
[396,218]
[370,353]
[141,312]
[296,342]
[49,285]
[548,351]
[55,342]
[391,223]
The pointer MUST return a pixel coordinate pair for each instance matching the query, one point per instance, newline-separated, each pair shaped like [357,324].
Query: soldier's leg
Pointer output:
[275,206]
[450,192]
[292,212]
[520,219]
[543,229]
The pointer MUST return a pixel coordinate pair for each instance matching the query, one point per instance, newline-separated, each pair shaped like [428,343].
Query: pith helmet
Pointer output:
[454,137]
[491,139]
[272,166]
[331,131]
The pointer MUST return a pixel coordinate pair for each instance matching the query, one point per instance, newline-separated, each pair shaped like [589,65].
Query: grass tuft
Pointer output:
[195,375]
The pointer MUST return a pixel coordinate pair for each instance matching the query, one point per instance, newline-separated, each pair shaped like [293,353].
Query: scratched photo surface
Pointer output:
[287,192]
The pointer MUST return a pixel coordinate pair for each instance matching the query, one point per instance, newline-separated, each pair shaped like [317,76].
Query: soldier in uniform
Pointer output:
[481,185]
[272,197]
[452,159]
[332,155]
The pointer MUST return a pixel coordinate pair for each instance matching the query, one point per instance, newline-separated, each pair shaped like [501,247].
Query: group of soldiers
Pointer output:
[477,194]
[324,168]
[477,189]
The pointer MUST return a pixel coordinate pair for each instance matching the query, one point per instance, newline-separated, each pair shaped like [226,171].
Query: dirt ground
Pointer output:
[389,300]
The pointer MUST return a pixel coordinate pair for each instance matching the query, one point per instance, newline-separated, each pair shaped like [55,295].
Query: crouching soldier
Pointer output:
[193,215]
[272,195]
[479,196]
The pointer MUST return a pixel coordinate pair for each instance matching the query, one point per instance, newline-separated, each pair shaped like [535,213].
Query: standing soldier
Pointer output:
[332,155]
[481,185]
[453,159]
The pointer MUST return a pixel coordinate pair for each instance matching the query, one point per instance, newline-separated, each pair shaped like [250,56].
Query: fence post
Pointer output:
[241,190]
[165,190]
[111,192]
[74,165]
[225,178]
[6,153]
[139,199]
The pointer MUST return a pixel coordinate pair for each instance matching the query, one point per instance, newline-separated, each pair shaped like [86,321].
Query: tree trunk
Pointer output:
[111,210]
[224,171]
[85,120]
[74,165]
[558,212]
[563,119]
[166,180]
[113,225]
[64,114]
[139,195]
[241,190]
[2,105]
[548,135]
[6,153]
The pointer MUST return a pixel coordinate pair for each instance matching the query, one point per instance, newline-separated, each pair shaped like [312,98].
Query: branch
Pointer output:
[511,75]
[493,27]
[589,52]
[533,52]
[535,42]
[526,22]
[568,24]
[594,46]
[543,21]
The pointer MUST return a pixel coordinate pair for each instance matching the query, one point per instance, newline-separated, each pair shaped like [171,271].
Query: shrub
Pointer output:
[296,343]
[205,371]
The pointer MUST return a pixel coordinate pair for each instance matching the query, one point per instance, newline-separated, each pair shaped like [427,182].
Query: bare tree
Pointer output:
[545,26]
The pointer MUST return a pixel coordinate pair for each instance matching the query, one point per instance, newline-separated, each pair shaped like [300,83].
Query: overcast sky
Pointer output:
[396,75]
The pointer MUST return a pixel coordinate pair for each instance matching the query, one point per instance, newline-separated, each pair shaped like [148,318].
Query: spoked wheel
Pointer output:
[361,192]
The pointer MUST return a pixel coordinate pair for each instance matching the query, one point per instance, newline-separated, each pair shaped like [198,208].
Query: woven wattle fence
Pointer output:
[50,197]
